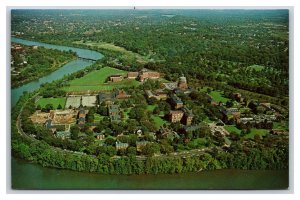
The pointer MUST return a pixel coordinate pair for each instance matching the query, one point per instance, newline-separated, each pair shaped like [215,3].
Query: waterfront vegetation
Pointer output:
[31,63]
[207,50]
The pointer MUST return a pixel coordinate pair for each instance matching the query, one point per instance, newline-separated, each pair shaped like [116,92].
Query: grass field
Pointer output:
[151,107]
[254,131]
[232,129]
[126,116]
[257,67]
[97,117]
[54,101]
[158,121]
[218,96]
[96,80]
[111,47]
[280,125]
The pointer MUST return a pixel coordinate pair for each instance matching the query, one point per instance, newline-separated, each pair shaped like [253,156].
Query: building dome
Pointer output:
[182,79]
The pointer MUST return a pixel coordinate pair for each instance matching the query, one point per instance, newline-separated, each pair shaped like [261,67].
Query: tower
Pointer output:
[182,83]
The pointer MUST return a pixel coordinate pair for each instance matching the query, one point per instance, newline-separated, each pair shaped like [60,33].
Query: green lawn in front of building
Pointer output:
[218,96]
[97,80]
[54,101]
[255,131]
[232,129]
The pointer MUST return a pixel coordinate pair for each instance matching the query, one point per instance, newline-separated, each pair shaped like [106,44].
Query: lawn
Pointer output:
[232,129]
[257,68]
[97,117]
[96,80]
[126,116]
[254,131]
[280,125]
[54,101]
[158,121]
[204,89]
[111,47]
[151,107]
[218,96]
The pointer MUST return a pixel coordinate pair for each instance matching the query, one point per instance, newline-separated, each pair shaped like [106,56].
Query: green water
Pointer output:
[32,176]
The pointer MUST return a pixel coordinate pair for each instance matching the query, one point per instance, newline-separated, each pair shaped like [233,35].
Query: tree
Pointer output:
[111,151]
[110,141]
[74,132]
[156,111]
[131,151]
[38,107]
[103,110]
[59,107]
[150,149]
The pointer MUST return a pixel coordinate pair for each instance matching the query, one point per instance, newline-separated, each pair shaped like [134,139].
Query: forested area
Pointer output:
[31,63]
[206,45]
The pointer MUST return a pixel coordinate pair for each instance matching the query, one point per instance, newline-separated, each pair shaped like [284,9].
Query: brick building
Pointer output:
[116,78]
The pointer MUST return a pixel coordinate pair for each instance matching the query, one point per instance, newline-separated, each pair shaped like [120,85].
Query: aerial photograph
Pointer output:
[149,99]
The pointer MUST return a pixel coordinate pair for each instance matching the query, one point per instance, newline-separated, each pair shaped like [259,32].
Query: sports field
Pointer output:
[97,80]
[74,102]
[54,101]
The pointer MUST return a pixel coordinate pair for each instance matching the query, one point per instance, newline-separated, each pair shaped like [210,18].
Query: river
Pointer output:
[26,175]
[32,176]
[68,68]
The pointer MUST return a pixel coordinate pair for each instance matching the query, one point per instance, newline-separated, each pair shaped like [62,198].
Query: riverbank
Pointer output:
[68,68]
[26,175]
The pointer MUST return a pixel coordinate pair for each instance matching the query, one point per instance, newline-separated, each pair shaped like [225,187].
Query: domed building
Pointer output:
[182,83]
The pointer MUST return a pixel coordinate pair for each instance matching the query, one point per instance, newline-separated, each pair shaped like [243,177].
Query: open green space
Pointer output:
[126,113]
[257,67]
[204,89]
[97,117]
[280,125]
[111,47]
[97,80]
[232,129]
[198,143]
[254,131]
[158,121]
[218,96]
[54,101]
[151,107]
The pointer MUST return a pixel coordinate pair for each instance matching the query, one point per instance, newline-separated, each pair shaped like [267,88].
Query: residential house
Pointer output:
[81,117]
[120,94]
[116,78]
[176,101]
[121,146]
[187,117]
[99,136]
[157,94]
[63,134]
[110,97]
[140,145]
[175,115]
[238,97]
[147,74]
[113,112]
[132,75]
